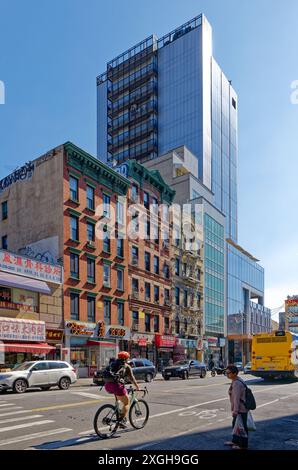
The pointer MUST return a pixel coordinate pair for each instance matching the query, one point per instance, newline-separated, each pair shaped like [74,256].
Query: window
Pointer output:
[107,243]
[184,269]
[147,322]
[135,319]
[107,311]
[74,228]
[147,230]
[91,309]
[185,325]
[146,200]
[106,275]
[4,242]
[177,267]
[41,366]
[234,103]
[135,222]
[155,234]
[91,270]
[120,247]
[73,187]
[134,192]
[147,291]
[185,298]
[74,265]
[119,279]
[106,205]
[156,294]
[177,327]
[166,270]
[177,295]
[120,313]
[147,261]
[167,296]
[4,210]
[90,197]
[90,232]
[156,264]
[74,306]
[156,323]
[120,212]
[135,286]
[167,323]
[135,255]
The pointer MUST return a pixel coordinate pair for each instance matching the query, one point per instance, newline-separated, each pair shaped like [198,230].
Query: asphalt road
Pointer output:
[191,414]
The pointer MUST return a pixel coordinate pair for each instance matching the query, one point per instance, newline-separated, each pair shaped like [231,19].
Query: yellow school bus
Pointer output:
[275,355]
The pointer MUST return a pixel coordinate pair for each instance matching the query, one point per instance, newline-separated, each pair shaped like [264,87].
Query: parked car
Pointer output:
[41,374]
[247,368]
[184,369]
[143,369]
[239,365]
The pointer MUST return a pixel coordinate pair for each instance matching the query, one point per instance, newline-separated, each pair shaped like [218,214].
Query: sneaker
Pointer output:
[123,423]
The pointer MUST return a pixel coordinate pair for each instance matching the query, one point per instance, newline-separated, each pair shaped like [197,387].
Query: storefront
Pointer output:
[212,350]
[142,345]
[22,340]
[54,338]
[92,345]
[164,346]
[189,346]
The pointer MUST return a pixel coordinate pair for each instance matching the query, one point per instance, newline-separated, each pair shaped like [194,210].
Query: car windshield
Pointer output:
[180,363]
[24,366]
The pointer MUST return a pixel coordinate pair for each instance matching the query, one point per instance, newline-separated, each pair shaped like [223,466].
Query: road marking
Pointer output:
[268,403]
[7,404]
[26,425]
[8,409]
[12,420]
[288,396]
[34,436]
[15,412]
[89,395]
[69,405]
[146,445]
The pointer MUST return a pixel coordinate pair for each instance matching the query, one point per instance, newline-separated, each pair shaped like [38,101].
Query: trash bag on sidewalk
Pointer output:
[250,423]
[238,429]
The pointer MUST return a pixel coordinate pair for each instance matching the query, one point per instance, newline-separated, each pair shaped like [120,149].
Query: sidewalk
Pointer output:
[88,382]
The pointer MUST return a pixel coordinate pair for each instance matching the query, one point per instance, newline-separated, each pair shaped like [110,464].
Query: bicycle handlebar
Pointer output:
[144,390]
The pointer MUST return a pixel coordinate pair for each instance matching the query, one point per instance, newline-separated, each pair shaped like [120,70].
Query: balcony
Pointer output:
[119,67]
[137,97]
[131,81]
[135,115]
[135,294]
[142,150]
[133,136]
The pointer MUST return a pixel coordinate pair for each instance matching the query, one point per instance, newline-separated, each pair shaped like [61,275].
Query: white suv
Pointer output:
[41,374]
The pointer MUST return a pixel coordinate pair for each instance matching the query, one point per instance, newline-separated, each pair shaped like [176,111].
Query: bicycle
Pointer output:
[108,417]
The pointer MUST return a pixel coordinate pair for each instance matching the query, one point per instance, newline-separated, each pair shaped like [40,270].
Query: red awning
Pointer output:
[94,342]
[35,348]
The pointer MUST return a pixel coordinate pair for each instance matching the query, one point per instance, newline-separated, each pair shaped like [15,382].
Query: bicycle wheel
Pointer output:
[106,421]
[138,414]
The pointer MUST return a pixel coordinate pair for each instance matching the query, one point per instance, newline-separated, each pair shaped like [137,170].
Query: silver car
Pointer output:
[41,374]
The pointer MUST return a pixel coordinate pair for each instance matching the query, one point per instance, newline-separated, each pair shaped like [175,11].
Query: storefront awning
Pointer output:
[34,348]
[22,282]
[94,342]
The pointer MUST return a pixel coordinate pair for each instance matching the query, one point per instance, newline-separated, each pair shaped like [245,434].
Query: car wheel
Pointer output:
[184,375]
[167,378]
[20,386]
[203,374]
[45,388]
[148,377]
[64,383]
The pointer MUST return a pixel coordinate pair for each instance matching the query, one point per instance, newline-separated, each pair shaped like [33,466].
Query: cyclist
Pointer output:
[115,383]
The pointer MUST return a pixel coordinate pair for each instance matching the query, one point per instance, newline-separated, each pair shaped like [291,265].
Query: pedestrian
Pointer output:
[237,394]
[211,363]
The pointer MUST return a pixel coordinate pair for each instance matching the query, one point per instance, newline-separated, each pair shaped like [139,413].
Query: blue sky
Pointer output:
[51,53]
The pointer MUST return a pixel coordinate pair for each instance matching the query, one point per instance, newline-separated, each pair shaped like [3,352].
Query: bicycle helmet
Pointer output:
[124,355]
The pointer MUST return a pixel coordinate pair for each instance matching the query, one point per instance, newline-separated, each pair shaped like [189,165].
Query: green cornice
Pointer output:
[90,255]
[119,266]
[107,297]
[107,261]
[91,294]
[74,291]
[73,212]
[91,221]
[120,301]
[95,169]
[140,173]
[74,250]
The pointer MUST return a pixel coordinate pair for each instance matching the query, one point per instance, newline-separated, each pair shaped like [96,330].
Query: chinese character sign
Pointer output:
[22,330]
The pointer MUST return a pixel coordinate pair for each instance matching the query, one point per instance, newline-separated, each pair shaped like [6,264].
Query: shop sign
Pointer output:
[100,329]
[122,169]
[292,302]
[80,329]
[205,345]
[188,343]
[34,269]
[165,341]
[212,341]
[118,332]
[222,342]
[54,335]
[142,340]
[22,330]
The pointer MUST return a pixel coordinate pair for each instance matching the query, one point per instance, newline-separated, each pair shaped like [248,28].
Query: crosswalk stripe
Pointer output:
[88,395]
[34,436]
[9,408]
[8,404]
[26,425]
[15,412]
[23,418]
